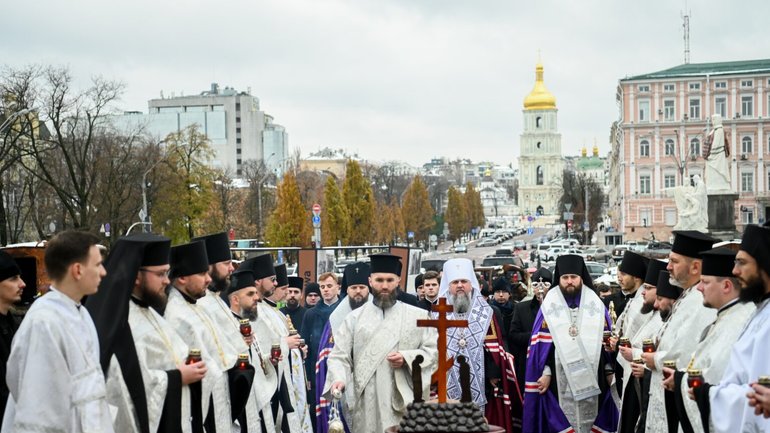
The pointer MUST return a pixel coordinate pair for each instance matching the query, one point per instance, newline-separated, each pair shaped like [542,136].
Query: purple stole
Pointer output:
[542,413]
[323,406]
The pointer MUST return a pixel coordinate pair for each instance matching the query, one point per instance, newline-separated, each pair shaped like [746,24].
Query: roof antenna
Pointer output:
[686,27]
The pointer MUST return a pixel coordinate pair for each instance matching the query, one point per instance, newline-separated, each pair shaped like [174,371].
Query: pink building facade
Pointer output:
[658,141]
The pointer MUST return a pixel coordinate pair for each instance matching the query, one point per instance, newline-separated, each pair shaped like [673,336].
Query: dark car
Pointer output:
[433,264]
[502,260]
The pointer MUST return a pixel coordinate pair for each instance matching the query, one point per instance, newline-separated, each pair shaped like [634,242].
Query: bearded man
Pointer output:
[568,374]
[492,376]
[293,307]
[386,341]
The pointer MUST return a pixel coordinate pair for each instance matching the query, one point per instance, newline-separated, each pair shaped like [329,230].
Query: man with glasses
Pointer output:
[148,380]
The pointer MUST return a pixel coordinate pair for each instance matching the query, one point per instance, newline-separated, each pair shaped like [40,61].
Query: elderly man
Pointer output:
[568,373]
[55,380]
[679,334]
[635,389]
[720,291]
[481,344]
[375,349]
[731,411]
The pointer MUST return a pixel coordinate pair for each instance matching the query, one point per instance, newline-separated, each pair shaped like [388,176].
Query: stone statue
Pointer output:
[691,205]
[716,151]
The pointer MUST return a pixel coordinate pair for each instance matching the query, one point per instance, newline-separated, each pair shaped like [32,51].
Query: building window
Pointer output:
[538,145]
[644,110]
[538,122]
[747,84]
[747,181]
[669,147]
[694,108]
[644,148]
[670,216]
[669,112]
[746,146]
[237,106]
[644,88]
[694,86]
[694,147]
[237,151]
[747,214]
[539,175]
[645,184]
[720,106]
[238,140]
[237,120]
[669,180]
[645,217]
[747,106]
[720,84]
[669,87]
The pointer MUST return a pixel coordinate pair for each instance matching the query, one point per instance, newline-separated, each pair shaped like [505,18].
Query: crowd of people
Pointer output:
[161,338]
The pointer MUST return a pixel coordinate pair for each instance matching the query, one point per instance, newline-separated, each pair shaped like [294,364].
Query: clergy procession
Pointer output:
[149,337]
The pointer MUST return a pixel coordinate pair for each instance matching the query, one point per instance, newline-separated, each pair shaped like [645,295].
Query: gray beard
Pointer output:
[461,303]
[356,304]
[385,301]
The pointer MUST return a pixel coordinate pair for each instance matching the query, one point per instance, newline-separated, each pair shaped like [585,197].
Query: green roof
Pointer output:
[701,69]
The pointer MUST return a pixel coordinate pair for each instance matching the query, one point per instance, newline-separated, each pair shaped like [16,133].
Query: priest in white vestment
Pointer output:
[189,279]
[731,410]
[375,349]
[630,410]
[147,381]
[677,338]
[720,291]
[53,374]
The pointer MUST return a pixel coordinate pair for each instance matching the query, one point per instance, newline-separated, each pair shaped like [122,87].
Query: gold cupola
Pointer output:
[539,98]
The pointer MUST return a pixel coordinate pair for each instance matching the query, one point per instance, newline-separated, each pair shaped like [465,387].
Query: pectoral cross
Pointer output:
[442,324]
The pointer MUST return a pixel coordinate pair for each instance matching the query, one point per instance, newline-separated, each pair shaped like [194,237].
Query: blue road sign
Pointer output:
[530,231]
[530,219]
[316,219]
[410,235]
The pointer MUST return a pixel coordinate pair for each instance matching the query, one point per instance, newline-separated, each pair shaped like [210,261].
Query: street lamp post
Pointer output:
[13,117]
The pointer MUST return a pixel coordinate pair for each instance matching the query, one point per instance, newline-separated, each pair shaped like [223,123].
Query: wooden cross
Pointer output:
[442,324]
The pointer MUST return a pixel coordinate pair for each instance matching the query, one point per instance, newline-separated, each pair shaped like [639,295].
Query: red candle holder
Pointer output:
[648,346]
[243,361]
[607,336]
[624,342]
[668,364]
[694,378]
[245,327]
[275,353]
[193,356]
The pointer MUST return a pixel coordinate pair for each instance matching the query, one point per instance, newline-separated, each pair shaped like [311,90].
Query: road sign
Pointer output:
[585,226]
[530,219]
[316,220]
[530,231]
[410,235]
[568,206]
[316,209]
[569,215]
[569,224]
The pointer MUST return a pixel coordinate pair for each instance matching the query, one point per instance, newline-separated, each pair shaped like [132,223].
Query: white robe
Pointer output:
[677,340]
[629,323]
[159,349]
[730,412]
[363,341]
[199,332]
[711,355]
[229,329]
[274,329]
[53,374]
[648,329]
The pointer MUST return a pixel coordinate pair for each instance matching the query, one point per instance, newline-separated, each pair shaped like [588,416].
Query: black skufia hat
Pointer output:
[756,242]
[665,288]
[261,266]
[419,280]
[240,280]
[296,282]
[690,243]
[634,264]
[501,284]
[189,259]
[718,262]
[312,288]
[385,263]
[8,266]
[157,250]
[281,275]
[356,273]
[217,247]
[654,267]
[572,264]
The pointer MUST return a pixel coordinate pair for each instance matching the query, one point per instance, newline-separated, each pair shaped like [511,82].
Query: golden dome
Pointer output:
[539,98]
[583,152]
[596,151]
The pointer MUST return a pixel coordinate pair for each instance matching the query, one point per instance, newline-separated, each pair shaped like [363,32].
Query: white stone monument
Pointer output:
[716,152]
[691,205]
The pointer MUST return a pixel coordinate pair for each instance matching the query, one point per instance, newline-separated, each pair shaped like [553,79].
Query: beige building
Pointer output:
[540,160]
[658,141]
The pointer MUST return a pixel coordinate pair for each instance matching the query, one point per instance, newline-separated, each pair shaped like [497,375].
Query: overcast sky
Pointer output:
[389,79]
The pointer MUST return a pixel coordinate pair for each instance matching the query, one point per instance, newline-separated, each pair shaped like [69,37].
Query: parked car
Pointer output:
[595,269]
[593,254]
[502,260]
[519,244]
[486,242]
[461,248]
[433,264]
[618,251]
[553,253]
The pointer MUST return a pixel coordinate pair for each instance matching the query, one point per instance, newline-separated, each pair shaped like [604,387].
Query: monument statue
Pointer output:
[716,151]
[691,205]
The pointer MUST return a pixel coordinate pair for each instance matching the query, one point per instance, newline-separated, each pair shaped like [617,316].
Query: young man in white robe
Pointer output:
[733,401]
[147,381]
[54,375]
[189,279]
[375,349]
[720,291]
[677,338]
